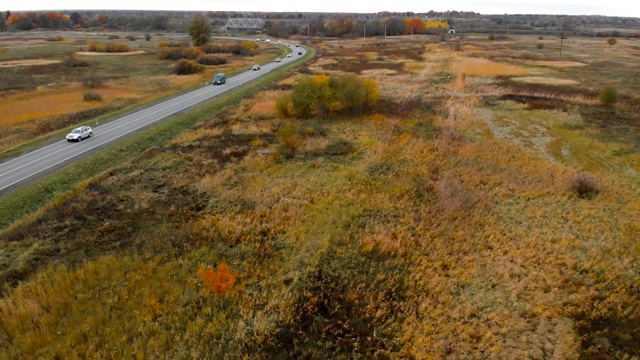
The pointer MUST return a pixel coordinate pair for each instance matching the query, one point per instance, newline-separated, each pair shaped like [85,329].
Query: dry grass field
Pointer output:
[486,208]
[40,93]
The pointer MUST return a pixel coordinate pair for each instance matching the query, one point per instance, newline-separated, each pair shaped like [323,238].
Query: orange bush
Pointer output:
[219,282]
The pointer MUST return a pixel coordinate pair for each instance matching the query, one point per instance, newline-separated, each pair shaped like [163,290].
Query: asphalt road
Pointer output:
[27,167]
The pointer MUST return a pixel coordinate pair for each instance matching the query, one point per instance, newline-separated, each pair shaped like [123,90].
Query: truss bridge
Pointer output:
[244,24]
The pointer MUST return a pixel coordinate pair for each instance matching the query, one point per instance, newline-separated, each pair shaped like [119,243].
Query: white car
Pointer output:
[288,55]
[255,67]
[278,60]
[80,133]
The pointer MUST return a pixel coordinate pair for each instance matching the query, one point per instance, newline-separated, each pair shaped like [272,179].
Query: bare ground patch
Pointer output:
[28,62]
[91,53]
[559,64]
[543,80]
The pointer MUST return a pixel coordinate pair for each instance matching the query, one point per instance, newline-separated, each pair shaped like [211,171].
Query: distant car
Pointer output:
[288,55]
[278,60]
[255,67]
[219,79]
[299,52]
[80,133]
[297,45]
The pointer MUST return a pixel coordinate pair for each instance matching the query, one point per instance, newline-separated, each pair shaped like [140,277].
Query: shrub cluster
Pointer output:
[324,94]
[51,38]
[72,61]
[131,37]
[163,44]
[212,60]
[187,67]
[243,48]
[108,48]
[190,53]
[91,96]
[113,37]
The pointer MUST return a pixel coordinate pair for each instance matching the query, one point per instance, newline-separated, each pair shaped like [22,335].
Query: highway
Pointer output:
[26,167]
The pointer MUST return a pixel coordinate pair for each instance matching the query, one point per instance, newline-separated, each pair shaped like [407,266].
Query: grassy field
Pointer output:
[41,94]
[486,208]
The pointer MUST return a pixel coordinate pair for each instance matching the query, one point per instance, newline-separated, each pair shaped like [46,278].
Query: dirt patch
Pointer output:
[544,80]
[91,53]
[29,62]
[560,64]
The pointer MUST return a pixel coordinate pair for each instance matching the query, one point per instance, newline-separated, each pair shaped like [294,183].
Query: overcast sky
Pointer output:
[629,8]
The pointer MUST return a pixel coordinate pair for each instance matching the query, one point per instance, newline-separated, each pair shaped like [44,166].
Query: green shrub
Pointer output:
[288,141]
[608,96]
[187,67]
[540,46]
[131,37]
[284,106]
[612,41]
[91,96]
[113,37]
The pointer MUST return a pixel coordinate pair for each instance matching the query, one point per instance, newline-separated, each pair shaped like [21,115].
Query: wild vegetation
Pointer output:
[485,206]
[41,82]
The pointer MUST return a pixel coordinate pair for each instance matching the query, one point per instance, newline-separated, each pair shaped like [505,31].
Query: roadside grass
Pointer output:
[47,94]
[29,198]
[426,236]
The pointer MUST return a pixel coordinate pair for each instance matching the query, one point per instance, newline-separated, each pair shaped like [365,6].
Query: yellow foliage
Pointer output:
[248,45]
[436,24]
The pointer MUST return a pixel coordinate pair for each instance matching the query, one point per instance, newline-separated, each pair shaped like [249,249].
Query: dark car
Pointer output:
[219,79]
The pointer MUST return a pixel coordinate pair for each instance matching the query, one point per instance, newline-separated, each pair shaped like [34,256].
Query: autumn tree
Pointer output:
[76,19]
[415,26]
[199,30]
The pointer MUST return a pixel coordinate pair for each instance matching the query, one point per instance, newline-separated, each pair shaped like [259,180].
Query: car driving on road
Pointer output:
[219,79]
[80,133]
[255,67]
[278,60]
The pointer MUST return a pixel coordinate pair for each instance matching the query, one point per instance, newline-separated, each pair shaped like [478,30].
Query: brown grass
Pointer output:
[448,231]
